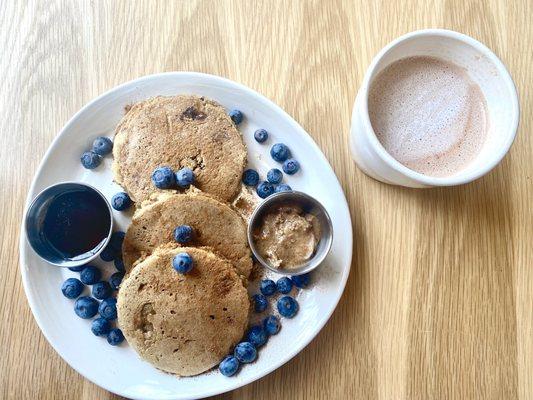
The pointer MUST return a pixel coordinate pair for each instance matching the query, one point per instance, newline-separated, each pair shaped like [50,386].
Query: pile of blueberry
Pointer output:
[250,177]
[183,262]
[280,153]
[91,159]
[102,146]
[165,178]
[257,336]
[113,251]
[87,307]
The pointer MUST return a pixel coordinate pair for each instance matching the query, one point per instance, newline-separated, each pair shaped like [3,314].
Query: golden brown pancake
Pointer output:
[215,225]
[179,131]
[183,323]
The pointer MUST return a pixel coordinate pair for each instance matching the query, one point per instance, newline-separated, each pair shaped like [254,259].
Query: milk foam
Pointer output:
[428,114]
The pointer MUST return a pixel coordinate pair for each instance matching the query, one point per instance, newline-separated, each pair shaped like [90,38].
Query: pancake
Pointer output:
[179,131]
[183,324]
[215,225]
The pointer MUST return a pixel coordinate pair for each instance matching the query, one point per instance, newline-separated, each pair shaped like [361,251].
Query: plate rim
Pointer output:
[23,267]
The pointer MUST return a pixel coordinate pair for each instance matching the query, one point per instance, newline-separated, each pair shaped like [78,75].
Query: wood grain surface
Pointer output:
[439,303]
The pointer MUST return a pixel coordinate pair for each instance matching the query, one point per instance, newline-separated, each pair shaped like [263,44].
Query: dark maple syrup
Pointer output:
[76,224]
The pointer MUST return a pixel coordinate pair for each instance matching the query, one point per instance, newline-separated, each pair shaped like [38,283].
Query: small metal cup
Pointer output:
[35,218]
[309,205]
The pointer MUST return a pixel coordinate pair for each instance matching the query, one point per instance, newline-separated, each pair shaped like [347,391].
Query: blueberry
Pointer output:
[163,178]
[284,285]
[260,302]
[245,352]
[115,337]
[108,308]
[274,175]
[260,136]
[90,275]
[250,177]
[86,307]
[192,113]
[182,263]
[282,188]
[102,145]
[101,290]
[100,326]
[116,240]
[268,287]
[287,306]
[236,116]
[301,281]
[108,254]
[229,366]
[185,177]
[119,264]
[280,152]
[271,324]
[90,160]
[72,288]
[77,269]
[115,280]
[121,201]
[113,250]
[264,189]
[257,336]
[291,166]
[183,234]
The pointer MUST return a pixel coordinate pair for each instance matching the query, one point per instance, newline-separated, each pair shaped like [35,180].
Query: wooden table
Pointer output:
[439,303]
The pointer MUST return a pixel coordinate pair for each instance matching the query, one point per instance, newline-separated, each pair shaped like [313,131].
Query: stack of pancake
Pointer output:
[182,323]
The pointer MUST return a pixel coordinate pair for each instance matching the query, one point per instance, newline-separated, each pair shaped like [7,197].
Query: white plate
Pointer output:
[118,369]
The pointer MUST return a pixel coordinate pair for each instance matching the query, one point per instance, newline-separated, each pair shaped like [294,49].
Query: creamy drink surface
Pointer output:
[428,114]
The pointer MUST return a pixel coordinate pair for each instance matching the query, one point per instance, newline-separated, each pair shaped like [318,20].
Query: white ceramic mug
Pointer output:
[483,67]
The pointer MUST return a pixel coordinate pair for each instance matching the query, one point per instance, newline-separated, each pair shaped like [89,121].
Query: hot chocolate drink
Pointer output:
[428,114]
